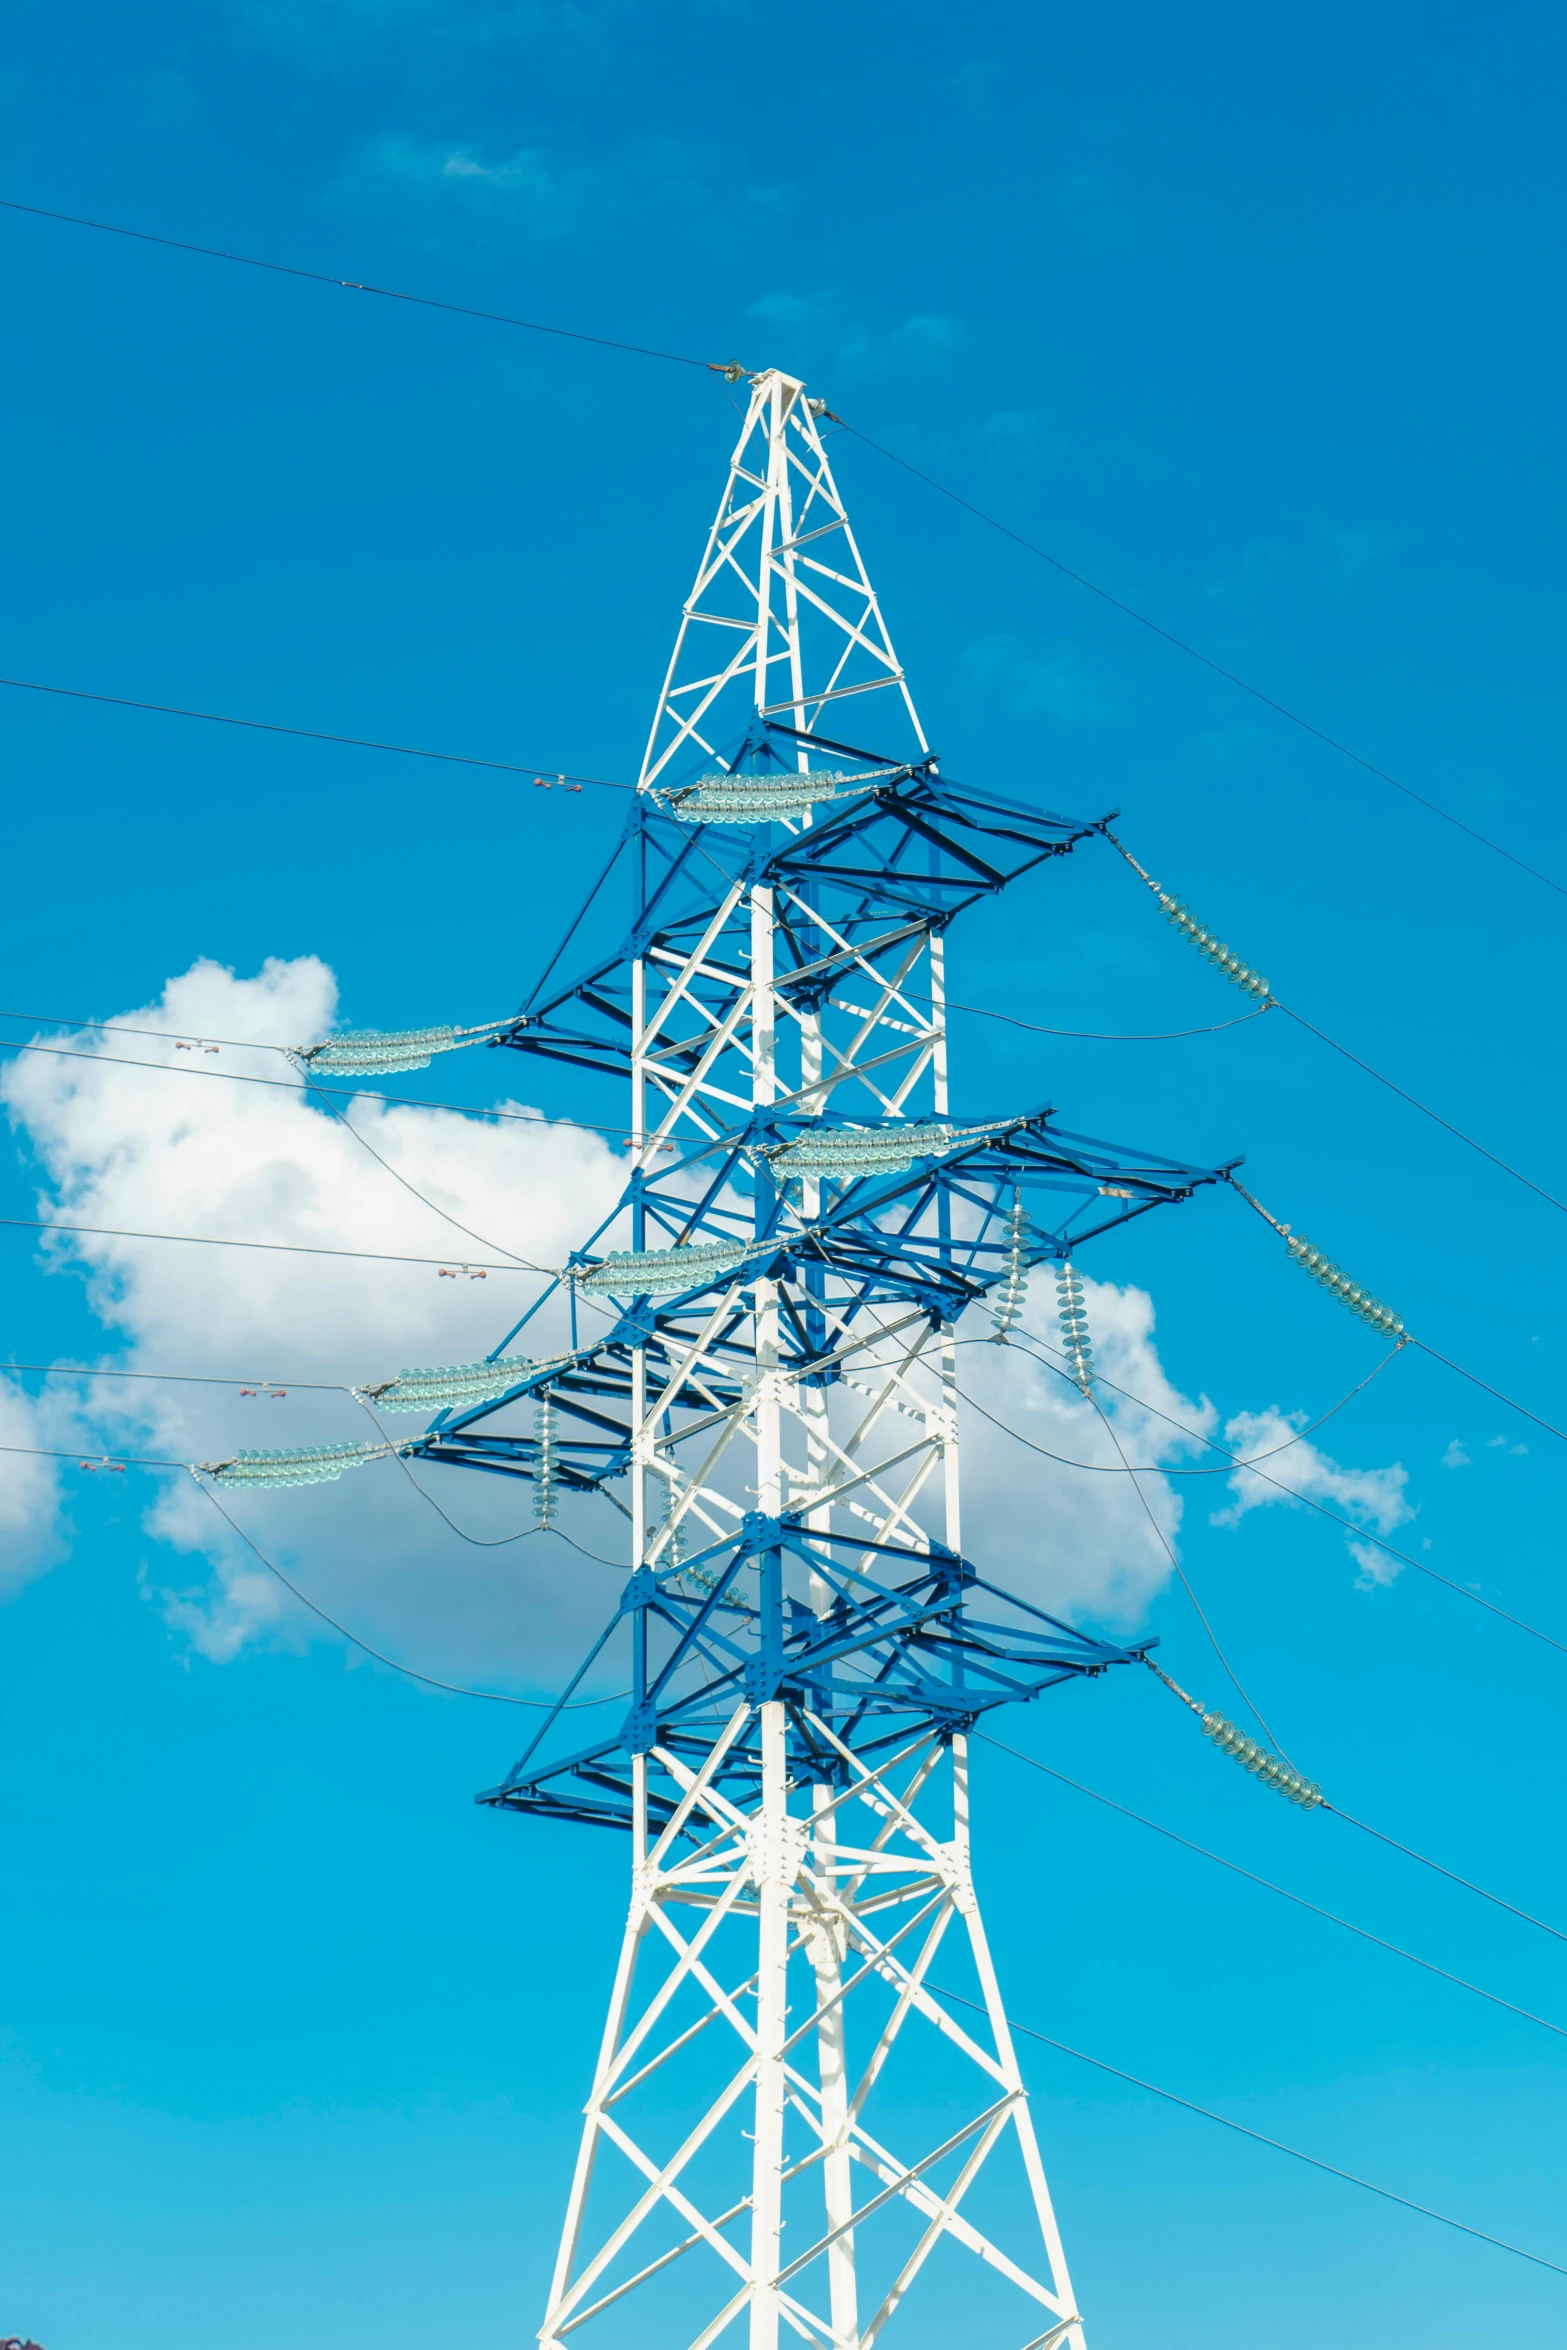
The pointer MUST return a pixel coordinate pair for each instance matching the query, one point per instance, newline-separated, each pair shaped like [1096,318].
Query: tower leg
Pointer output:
[1070,2336]
[603,2077]
[820,2230]
[774,1878]
[824,1941]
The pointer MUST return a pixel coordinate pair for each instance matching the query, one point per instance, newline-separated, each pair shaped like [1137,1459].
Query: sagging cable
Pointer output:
[1329,1276]
[1222,958]
[1267,1768]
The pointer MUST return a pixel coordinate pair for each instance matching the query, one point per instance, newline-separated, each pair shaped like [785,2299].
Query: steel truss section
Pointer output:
[762,1371]
[775,1935]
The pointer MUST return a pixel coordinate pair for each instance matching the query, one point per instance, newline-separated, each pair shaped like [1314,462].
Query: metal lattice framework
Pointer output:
[763,1370]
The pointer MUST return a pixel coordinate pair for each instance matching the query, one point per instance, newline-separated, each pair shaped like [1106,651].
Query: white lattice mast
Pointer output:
[844,1889]
[781,556]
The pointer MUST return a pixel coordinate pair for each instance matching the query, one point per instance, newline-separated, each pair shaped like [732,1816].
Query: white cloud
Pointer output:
[176,1150]
[1455,1456]
[1078,1541]
[30,1533]
[1373,1497]
[1377,1570]
[186,1153]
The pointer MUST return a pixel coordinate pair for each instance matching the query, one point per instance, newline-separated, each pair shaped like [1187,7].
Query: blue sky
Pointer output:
[1252,319]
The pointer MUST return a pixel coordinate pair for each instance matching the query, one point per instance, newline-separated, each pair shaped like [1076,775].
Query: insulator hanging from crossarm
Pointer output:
[453,1385]
[546,1459]
[646,1272]
[1329,1276]
[1012,1293]
[378,1054]
[1219,955]
[313,1464]
[1270,1770]
[747,796]
[1262,1765]
[1072,1317]
[871,1150]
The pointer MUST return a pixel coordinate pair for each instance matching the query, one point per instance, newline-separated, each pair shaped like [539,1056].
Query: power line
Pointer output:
[250,1044]
[290,1248]
[1425,1109]
[506,767]
[1451,1875]
[1277,2145]
[733,370]
[177,1378]
[310,734]
[1123,1467]
[54,1452]
[353,1093]
[350,285]
[1268,1885]
[1361,1533]
[489,1696]
[1181,646]
[1230,1674]
[412,1189]
[1255,985]
[1095,1035]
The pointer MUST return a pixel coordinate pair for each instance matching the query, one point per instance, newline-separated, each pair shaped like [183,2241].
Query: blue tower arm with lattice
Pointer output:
[887,862]
[889,1656]
[877,1240]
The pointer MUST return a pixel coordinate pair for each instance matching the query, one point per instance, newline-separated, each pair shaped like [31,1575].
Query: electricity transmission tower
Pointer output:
[764,1367]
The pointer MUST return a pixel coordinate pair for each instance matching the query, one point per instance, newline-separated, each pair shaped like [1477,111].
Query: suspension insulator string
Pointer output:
[674,1531]
[310,1464]
[1267,1768]
[1331,1277]
[1076,1344]
[1012,1295]
[1222,958]
[378,1053]
[447,1387]
[545,1459]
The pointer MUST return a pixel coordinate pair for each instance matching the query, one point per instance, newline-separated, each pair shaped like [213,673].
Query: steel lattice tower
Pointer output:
[764,1372]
